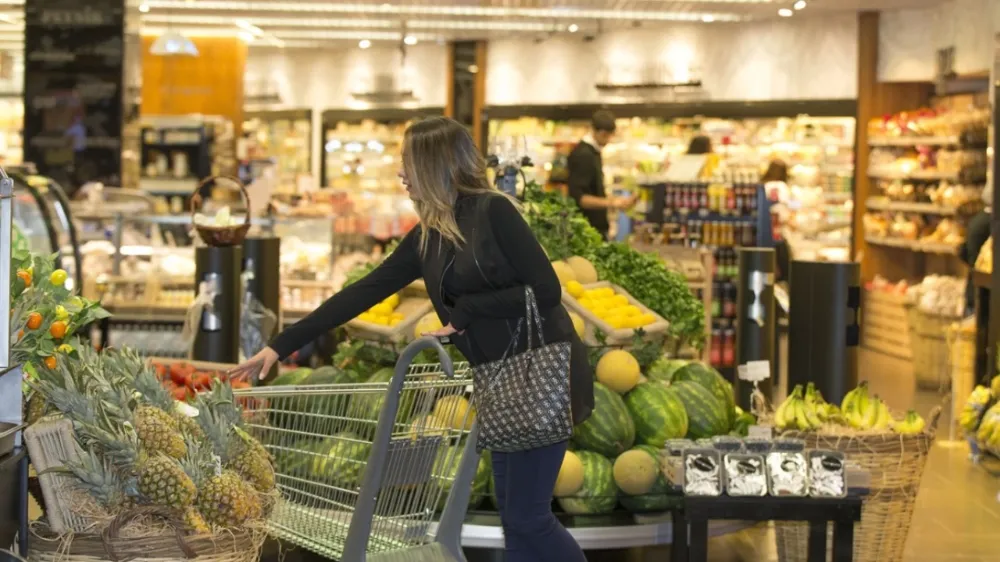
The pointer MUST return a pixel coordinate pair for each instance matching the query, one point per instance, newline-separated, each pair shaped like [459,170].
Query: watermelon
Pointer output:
[599,493]
[658,414]
[291,378]
[368,405]
[322,375]
[713,381]
[658,499]
[444,474]
[344,461]
[707,415]
[609,430]
[663,369]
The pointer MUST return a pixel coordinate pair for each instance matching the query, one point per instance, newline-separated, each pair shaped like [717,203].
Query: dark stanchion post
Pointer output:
[755,320]
[218,336]
[823,329]
[262,258]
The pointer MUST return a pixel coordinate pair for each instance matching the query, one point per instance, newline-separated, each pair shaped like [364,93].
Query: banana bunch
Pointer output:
[988,434]
[798,412]
[911,424]
[972,411]
[995,387]
[863,411]
[827,412]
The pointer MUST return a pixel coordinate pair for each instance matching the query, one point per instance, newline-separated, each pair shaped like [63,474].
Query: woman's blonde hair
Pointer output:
[441,162]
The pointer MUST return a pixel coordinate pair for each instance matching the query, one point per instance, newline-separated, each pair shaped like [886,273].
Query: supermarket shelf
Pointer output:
[918,175]
[824,226]
[914,141]
[925,247]
[879,204]
[629,533]
[173,315]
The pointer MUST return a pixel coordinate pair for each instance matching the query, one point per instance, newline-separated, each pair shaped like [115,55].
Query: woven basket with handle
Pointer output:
[220,235]
[896,464]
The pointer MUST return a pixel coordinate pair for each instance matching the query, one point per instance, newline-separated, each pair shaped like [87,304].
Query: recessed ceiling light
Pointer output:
[573,28]
[708,18]
[785,13]
[246,36]
[410,40]
[364,43]
[144,8]
[801,4]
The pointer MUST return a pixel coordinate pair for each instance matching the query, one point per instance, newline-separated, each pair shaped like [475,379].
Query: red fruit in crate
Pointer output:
[180,393]
[161,370]
[240,384]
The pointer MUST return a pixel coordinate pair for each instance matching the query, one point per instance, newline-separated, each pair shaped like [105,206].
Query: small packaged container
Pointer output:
[727,444]
[827,474]
[745,474]
[787,445]
[757,445]
[703,473]
[673,461]
[787,473]
[704,442]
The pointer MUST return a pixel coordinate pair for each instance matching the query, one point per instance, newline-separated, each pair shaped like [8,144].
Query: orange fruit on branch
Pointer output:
[34,321]
[50,362]
[24,276]
[58,329]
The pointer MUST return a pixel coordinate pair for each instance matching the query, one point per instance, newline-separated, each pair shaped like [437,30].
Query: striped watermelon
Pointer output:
[658,414]
[609,430]
[708,416]
[446,468]
[713,381]
[599,493]
[658,499]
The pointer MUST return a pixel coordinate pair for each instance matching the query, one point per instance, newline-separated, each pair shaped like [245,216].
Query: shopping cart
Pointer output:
[362,468]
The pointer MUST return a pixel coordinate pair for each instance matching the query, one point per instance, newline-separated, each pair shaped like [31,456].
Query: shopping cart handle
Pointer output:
[428,342]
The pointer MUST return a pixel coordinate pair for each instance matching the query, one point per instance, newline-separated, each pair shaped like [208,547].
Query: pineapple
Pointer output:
[194,522]
[225,500]
[158,432]
[98,478]
[154,394]
[36,408]
[189,427]
[163,481]
[237,449]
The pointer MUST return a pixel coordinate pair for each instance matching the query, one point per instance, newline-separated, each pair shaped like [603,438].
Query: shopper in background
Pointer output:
[700,145]
[775,180]
[976,235]
[586,174]
[476,254]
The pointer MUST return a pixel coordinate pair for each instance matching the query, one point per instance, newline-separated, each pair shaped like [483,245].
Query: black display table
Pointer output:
[818,512]
[13,502]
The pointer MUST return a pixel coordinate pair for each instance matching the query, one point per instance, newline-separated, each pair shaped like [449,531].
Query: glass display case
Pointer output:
[42,213]
[282,139]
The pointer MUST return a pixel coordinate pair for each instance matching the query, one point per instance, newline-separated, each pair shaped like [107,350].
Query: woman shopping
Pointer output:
[485,273]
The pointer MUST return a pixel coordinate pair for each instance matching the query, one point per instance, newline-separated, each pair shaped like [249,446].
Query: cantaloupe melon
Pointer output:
[428,323]
[585,271]
[570,478]
[618,370]
[578,324]
[427,426]
[564,272]
[455,412]
[635,472]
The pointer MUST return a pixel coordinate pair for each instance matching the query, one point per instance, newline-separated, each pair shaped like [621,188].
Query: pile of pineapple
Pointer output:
[140,447]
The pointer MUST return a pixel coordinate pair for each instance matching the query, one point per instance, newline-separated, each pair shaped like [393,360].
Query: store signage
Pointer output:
[73,89]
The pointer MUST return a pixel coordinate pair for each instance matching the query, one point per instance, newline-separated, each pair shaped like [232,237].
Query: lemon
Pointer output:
[367,317]
[382,309]
[607,292]
[392,301]
[396,317]
[619,300]
[618,322]
[586,303]
[631,310]
[574,288]
[592,294]
[647,319]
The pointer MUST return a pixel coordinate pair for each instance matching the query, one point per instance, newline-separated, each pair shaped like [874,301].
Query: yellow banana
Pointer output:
[882,417]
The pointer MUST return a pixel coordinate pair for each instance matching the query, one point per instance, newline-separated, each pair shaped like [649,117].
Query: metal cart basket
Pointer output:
[362,467]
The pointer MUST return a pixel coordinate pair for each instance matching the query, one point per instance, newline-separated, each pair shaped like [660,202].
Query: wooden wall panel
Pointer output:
[209,84]
[875,100]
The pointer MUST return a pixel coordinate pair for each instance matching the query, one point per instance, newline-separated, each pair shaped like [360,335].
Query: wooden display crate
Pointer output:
[885,326]
[612,336]
[412,309]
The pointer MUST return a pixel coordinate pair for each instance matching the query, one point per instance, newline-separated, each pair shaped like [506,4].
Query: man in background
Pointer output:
[586,174]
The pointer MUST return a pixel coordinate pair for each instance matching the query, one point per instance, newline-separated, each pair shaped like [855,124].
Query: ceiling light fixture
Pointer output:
[708,18]
[364,43]
[785,13]
[573,28]
[410,40]
[248,27]
[246,36]
[172,44]
[800,5]
[144,8]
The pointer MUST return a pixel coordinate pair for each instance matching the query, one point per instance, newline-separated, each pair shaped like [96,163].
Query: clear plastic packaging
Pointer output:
[703,474]
[727,444]
[827,474]
[757,445]
[787,473]
[787,445]
[745,475]
[673,461]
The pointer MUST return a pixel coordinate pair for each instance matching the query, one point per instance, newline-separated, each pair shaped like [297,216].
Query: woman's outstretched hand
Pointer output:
[257,366]
[443,332]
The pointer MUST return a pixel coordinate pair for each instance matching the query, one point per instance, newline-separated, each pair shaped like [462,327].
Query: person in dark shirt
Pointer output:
[976,235]
[700,145]
[476,255]
[586,174]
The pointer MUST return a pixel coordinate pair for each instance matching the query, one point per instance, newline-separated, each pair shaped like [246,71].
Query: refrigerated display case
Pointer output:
[282,139]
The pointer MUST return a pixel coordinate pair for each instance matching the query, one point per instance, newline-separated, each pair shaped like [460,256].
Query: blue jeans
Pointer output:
[524,481]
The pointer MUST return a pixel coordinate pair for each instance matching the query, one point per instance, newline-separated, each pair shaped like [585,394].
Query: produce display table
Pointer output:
[818,512]
[13,502]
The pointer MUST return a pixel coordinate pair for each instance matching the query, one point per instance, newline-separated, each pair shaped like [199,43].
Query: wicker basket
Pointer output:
[220,235]
[895,463]
[929,346]
[51,444]
[167,545]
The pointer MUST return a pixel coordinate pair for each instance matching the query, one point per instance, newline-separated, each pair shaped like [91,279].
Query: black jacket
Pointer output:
[586,177]
[489,272]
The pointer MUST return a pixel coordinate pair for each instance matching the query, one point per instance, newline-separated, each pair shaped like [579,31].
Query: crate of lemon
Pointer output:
[390,320]
[611,310]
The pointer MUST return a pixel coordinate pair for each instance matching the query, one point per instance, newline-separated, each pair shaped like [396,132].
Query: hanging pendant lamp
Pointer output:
[171,44]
